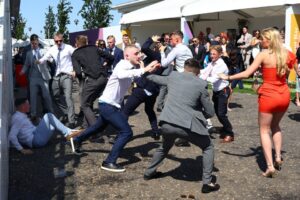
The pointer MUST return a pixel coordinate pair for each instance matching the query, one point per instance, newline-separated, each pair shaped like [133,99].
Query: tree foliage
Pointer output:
[49,28]
[96,13]
[18,27]
[64,8]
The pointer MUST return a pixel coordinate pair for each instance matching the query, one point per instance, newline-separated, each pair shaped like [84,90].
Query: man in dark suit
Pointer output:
[115,51]
[87,59]
[145,91]
[184,116]
[198,51]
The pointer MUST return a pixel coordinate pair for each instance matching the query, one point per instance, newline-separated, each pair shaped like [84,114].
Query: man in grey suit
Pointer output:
[39,76]
[184,116]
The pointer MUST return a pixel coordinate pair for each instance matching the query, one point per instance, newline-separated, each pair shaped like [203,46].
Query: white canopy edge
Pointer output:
[201,7]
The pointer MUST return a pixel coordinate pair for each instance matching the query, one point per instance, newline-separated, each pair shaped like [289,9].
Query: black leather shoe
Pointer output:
[112,167]
[207,188]
[182,143]
[70,125]
[155,135]
[154,176]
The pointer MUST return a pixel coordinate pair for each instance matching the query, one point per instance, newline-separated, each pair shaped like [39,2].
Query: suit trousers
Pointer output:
[137,97]
[110,115]
[92,88]
[64,83]
[220,99]
[36,85]
[161,97]
[170,133]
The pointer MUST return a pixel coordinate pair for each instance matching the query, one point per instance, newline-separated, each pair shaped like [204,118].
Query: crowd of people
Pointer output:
[162,69]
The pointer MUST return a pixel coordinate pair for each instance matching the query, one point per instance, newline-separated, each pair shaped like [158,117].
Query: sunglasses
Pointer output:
[57,41]
[194,41]
[102,44]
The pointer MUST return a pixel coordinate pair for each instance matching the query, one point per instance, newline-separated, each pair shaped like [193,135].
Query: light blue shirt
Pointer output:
[21,131]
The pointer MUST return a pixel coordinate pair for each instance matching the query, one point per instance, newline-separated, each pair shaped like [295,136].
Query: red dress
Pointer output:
[274,93]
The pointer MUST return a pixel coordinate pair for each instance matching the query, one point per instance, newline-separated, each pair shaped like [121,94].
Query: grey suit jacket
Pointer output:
[43,68]
[188,103]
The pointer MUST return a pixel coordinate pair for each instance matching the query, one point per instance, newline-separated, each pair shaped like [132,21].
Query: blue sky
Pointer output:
[34,13]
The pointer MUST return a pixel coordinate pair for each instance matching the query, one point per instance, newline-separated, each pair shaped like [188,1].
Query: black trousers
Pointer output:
[220,99]
[138,97]
[92,88]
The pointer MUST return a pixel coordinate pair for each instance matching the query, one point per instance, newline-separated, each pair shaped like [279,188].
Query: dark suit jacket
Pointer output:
[89,60]
[118,55]
[200,55]
[187,103]
[142,82]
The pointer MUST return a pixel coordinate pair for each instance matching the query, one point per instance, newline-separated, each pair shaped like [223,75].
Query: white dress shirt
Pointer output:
[21,131]
[119,82]
[180,53]
[216,68]
[65,64]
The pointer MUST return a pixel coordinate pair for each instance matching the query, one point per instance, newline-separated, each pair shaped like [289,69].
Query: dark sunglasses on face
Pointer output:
[57,41]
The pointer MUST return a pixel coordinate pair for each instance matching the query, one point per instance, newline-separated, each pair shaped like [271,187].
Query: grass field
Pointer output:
[248,84]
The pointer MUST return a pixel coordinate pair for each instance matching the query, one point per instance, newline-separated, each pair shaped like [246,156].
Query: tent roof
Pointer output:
[174,9]
[161,10]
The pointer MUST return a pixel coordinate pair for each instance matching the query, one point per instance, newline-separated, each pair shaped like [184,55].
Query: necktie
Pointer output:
[58,57]
[36,54]
[111,51]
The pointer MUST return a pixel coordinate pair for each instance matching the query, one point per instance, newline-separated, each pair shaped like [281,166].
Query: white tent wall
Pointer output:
[144,30]
[254,23]
[292,33]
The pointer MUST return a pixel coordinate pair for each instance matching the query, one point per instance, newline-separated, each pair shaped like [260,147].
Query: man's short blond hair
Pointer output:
[81,40]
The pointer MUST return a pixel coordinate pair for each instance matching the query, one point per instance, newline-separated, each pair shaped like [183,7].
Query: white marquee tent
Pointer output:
[168,9]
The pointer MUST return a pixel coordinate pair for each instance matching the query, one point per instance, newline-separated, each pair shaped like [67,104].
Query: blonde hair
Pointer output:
[218,48]
[276,47]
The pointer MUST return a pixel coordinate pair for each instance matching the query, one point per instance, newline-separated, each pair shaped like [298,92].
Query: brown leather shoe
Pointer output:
[74,133]
[227,139]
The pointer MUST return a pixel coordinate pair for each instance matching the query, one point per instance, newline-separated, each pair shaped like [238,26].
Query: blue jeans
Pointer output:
[45,129]
[237,82]
[110,115]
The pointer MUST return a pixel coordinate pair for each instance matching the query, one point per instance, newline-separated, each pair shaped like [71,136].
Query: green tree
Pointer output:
[18,27]
[49,28]
[64,8]
[96,13]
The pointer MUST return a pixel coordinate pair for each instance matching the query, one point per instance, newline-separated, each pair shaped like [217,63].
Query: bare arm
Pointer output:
[250,70]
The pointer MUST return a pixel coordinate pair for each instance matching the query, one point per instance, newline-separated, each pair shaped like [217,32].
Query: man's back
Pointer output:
[187,100]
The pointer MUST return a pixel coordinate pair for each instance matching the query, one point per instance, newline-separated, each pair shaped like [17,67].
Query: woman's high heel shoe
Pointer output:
[278,162]
[269,173]
[278,165]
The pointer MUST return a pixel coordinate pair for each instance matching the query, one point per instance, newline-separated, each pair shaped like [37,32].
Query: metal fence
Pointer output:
[6,94]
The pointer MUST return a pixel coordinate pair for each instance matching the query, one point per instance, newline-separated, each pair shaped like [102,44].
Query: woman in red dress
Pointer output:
[273,95]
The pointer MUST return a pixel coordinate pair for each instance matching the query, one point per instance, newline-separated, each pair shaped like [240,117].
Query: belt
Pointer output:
[223,90]
[62,74]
